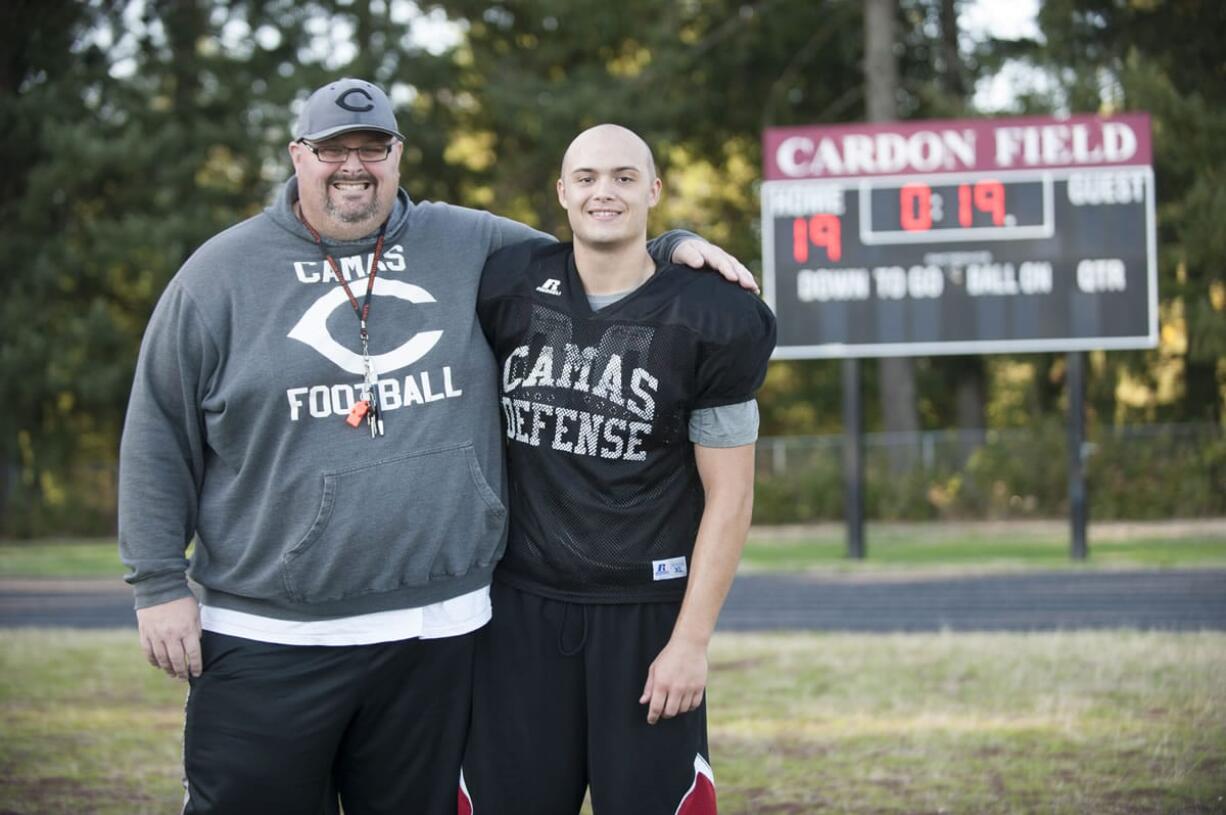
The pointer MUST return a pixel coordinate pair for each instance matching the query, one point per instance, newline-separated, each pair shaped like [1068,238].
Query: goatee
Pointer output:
[351,216]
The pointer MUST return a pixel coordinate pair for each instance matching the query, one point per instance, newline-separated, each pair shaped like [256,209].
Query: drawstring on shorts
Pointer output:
[562,649]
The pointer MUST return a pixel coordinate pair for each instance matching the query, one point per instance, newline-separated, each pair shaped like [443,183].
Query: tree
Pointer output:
[1162,57]
[896,374]
[134,132]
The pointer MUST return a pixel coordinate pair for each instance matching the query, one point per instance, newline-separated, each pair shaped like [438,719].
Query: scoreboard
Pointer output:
[960,236]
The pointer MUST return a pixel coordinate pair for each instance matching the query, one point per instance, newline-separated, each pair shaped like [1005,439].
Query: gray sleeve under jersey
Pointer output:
[726,425]
[723,426]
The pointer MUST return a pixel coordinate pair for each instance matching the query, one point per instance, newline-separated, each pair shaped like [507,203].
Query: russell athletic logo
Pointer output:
[670,569]
[551,286]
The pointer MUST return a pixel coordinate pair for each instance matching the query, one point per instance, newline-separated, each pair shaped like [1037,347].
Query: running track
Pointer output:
[1174,600]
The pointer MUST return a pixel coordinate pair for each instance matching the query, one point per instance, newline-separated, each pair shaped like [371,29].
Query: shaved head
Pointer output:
[607,187]
[600,137]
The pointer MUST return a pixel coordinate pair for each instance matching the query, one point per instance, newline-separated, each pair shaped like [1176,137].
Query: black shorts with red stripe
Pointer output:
[556,711]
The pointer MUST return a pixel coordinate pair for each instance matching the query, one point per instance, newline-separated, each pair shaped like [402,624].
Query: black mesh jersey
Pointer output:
[605,494]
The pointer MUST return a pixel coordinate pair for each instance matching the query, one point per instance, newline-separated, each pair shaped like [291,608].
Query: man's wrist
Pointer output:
[694,638]
[161,590]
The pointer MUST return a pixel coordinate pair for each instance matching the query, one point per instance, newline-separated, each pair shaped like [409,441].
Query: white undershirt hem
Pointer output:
[447,618]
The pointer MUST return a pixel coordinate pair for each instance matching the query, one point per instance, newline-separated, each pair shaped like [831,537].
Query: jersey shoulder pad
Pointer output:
[506,270]
[720,311]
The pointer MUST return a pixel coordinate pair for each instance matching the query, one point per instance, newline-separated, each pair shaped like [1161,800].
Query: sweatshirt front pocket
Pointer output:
[394,524]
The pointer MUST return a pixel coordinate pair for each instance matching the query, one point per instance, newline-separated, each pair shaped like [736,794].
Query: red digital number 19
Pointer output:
[820,230]
[988,196]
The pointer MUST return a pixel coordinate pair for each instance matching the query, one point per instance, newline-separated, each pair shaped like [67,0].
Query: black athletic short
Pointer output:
[556,709]
[282,728]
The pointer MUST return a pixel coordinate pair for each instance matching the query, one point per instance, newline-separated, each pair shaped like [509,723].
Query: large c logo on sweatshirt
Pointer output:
[312,329]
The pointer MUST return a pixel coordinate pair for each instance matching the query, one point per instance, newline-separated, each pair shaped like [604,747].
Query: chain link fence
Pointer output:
[1133,473]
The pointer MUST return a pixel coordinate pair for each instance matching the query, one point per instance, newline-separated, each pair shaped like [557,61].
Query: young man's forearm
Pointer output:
[677,679]
[727,477]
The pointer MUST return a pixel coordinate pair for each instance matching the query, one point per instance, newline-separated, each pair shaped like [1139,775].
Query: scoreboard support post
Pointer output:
[853,459]
[1076,459]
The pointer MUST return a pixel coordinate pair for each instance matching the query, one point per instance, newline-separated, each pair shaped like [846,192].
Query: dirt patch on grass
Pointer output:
[1151,801]
[55,794]
[766,800]
[738,664]
[800,750]
[990,751]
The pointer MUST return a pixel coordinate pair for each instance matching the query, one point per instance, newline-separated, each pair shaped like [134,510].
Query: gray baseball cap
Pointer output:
[344,106]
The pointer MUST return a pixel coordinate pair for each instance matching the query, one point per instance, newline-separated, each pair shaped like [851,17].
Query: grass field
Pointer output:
[1105,722]
[73,557]
[983,547]
[970,546]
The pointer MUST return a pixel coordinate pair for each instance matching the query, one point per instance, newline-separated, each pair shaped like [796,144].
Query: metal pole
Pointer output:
[1076,462]
[853,459]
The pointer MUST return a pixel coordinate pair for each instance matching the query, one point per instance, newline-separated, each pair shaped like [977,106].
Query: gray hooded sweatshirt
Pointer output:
[236,434]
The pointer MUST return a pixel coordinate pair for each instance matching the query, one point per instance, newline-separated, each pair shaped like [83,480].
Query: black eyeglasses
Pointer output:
[335,154]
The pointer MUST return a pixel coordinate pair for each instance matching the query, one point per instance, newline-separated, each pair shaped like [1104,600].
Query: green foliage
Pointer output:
[1014,475]
[811,491]
[1157,472]
[1171,474]
[697,79]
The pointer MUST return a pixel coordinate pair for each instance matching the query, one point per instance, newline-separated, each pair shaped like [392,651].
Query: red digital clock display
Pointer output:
[919,212]
[979,208]
[916,204]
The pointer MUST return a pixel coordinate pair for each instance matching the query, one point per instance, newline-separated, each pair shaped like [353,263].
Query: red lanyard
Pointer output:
[363,311]
[368,406]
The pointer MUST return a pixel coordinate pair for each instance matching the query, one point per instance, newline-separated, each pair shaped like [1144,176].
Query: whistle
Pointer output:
[357,413]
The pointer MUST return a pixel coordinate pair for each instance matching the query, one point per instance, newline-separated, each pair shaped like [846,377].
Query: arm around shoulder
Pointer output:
[506,232]
[688,249]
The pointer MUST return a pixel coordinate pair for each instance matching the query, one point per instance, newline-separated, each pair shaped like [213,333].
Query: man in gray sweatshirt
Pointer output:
[315,404]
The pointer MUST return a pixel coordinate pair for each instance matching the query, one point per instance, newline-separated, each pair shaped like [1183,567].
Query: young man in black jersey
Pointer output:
[628,404]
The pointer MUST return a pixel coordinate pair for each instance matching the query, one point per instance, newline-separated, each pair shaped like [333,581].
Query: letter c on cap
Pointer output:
[341,101]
